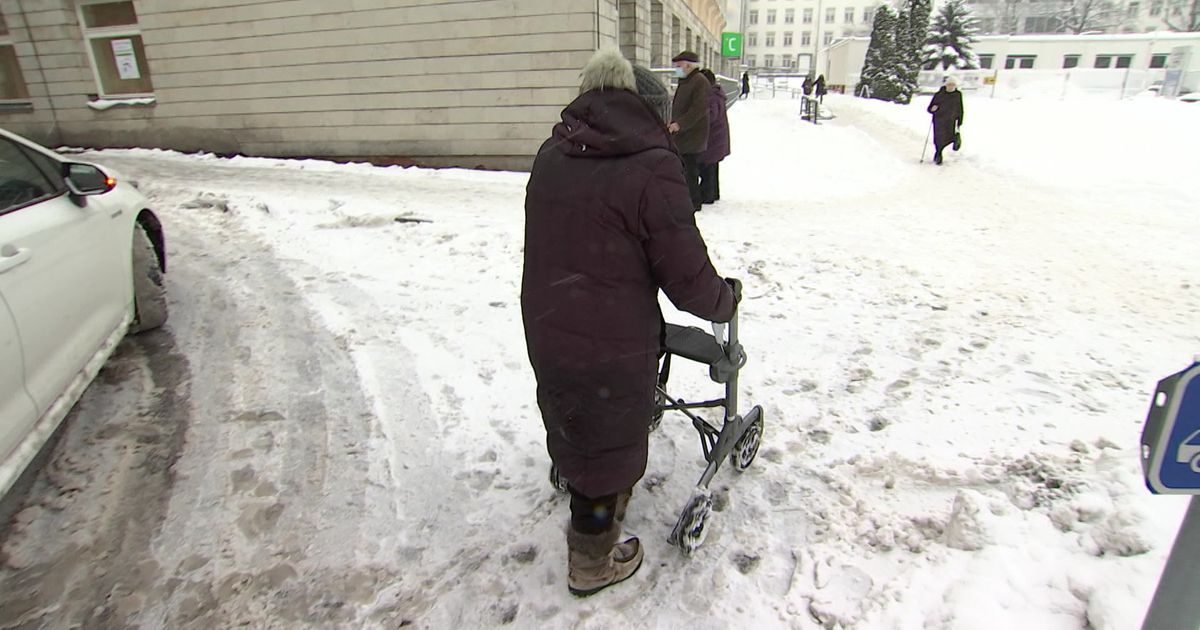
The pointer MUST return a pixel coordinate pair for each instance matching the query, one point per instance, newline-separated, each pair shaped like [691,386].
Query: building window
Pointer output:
[12,82]
[806,38]
[114,45]
[849,19]
[787,38]
[789,16]
[986,25]
[808,16]
[769,61]
[754,17]
[1024,62]
[830,15]
[751,39]
[1124,61]
[787,62]
[1043,24]
[750,60]
[868,15]
[985,61]
[770,40]
[1070,61]
[1158,61]
[1156,8]
[828,39]
[1133,9]
[771,16]
[1103,61]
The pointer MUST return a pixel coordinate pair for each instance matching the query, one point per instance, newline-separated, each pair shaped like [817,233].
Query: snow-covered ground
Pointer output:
[954,364]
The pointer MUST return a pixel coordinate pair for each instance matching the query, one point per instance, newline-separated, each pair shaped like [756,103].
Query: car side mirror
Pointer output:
[84,180]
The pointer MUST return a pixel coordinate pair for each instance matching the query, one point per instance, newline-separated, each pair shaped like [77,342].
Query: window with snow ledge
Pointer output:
[114,46]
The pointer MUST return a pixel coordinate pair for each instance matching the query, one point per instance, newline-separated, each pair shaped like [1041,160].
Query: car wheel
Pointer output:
[149,292]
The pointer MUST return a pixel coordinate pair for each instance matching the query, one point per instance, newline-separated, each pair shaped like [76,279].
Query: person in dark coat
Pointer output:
[608,222]
[820,88]
[689,118]
[718,142]
[947,109]
[745,85]
[807,86]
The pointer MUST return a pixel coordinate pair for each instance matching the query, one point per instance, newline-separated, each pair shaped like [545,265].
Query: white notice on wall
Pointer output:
[127,66]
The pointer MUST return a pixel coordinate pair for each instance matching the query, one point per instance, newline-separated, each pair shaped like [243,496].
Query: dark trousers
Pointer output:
[691,172]
[710,182]
[592,515]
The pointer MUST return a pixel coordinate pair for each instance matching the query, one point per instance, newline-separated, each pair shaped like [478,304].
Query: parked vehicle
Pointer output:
[82,260]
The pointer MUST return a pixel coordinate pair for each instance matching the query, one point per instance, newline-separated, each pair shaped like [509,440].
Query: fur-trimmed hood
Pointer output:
[607,69]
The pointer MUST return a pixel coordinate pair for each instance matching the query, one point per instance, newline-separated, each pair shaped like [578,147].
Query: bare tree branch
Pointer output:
[1183,15]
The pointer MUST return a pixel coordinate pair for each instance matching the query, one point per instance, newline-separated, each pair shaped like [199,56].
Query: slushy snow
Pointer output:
[954,362]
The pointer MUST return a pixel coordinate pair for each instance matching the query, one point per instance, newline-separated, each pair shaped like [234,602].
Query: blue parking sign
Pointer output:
[1171,438]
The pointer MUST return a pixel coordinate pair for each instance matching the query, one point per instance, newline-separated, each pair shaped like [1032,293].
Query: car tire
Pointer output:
[149,290]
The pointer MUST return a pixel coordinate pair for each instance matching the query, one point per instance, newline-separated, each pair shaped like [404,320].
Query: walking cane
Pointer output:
[925,147]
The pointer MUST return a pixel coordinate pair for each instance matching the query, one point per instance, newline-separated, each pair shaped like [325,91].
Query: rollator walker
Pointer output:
[737,439]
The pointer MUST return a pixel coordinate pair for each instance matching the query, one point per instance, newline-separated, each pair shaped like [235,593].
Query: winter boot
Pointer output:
[631,547]
[622,504]
[593,561]
[937,157]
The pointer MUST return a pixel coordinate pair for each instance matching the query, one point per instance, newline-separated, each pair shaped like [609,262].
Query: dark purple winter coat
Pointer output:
[718,128]
[608,222]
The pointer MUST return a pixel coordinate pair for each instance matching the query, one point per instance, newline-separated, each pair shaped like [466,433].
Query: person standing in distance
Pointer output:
[689,119]
[718,142]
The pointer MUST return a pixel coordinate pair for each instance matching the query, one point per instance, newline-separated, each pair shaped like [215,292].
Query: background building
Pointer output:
[999,17]
[465,83]
[1056,66]
[787,36]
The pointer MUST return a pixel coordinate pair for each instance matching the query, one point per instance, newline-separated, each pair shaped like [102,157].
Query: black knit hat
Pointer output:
[687,55]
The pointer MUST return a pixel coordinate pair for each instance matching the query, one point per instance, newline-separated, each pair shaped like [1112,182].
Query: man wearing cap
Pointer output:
[689,119]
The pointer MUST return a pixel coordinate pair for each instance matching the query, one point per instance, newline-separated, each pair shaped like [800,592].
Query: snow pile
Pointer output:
[1088,148]
[102,104]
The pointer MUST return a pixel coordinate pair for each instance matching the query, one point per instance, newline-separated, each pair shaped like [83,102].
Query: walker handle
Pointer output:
[719,332]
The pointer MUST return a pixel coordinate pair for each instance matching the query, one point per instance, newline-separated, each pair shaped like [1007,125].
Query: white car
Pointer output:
[81,264]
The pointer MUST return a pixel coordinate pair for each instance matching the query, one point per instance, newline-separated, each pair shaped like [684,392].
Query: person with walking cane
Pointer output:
[947,109]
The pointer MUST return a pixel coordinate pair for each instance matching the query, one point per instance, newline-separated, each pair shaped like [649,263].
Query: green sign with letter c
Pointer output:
[731,45]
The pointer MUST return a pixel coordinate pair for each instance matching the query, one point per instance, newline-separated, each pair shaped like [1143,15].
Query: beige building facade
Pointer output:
[473,83]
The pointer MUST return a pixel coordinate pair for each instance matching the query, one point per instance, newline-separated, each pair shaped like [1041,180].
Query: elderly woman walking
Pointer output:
[947,109]
[608,222]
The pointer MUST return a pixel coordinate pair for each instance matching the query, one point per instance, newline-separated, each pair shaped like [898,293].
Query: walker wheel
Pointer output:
[690,531]
[745,449]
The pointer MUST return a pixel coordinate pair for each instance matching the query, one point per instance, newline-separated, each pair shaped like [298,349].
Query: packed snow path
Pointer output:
[954,363]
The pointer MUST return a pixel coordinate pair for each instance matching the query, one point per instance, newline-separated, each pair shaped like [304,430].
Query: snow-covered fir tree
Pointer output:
[881,70]
[950,38]
[912,29]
